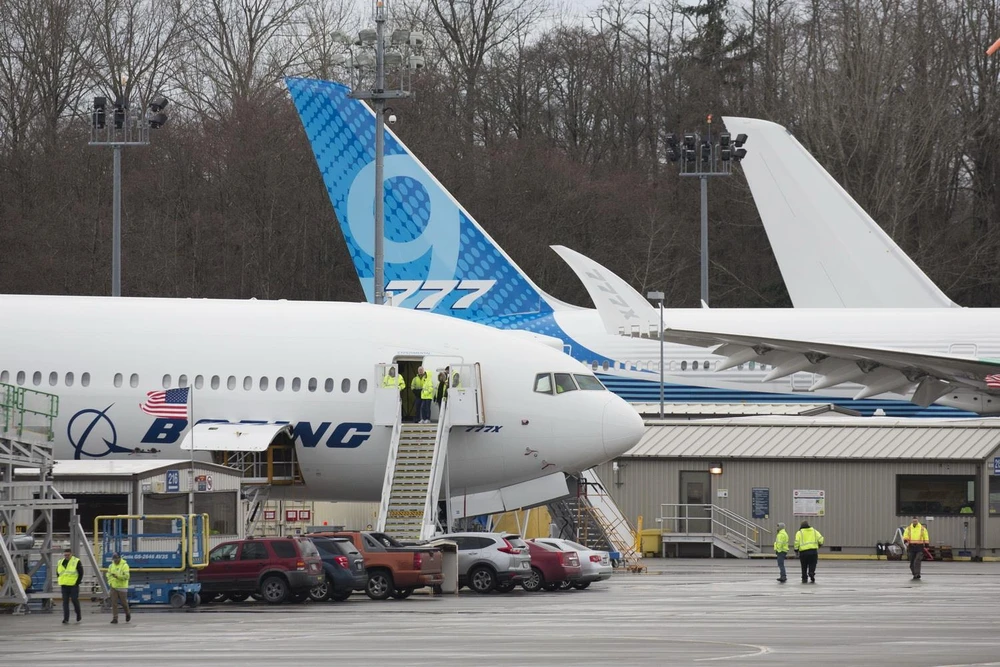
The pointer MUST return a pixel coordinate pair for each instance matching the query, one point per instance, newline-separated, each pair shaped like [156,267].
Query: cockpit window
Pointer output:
[564,383]
[589,383]
[543,383]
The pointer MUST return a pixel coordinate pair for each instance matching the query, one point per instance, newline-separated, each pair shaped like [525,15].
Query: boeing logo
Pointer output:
[93,425]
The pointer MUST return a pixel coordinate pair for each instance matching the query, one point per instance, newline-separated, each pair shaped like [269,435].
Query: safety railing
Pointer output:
[27,410]
[711,520]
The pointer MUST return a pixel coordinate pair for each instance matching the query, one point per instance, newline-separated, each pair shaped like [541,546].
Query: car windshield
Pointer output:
[308,549]
[589,383]
[516,541]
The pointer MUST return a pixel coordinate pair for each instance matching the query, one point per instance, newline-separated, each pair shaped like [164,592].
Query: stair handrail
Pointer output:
[390,468]
[749,532]
[429,525]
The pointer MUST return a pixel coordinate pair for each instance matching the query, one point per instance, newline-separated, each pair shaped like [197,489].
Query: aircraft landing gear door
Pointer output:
[465,396]
[386,394]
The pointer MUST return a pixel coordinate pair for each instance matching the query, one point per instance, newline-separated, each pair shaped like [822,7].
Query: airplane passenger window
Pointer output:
[328,385]
[69,379]
[85,379]
[589,383]
[263,384]
[296,384]
[564,383]
[345,385]
[4,376]
[247,383]
[215,382]
[53,378]
[708,365]
[313,383]
[543,383]
[133,380]
[279,383]
[594,365]
[182,381]
[752,365]
[684,365]
[199,382]
[362,386]
[231,383]
[118,379]
[20,377]
[166,381]
[36,378]
[604,365]
[694,365]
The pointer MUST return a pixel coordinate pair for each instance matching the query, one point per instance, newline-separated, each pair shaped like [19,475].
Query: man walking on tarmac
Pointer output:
[781,550]
[118,577]
[70,572]
[807,543]
[915,537]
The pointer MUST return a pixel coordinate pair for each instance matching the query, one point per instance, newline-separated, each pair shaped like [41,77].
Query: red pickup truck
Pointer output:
[393,569]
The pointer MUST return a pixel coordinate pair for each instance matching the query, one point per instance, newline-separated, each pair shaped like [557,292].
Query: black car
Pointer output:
[344,567]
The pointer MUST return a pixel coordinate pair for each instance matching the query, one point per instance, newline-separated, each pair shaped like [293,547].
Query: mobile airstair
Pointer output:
[416,471]
[28,550]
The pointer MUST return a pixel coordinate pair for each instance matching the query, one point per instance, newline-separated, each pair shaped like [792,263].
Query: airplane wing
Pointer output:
[880,370]
[622,309]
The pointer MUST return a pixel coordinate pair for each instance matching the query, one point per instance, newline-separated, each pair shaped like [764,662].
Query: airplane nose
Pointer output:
[623,427]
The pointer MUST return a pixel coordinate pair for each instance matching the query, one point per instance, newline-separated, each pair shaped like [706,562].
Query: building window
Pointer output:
[133,380]
[220,506]
[166,381]
[934,495]
[994,496]
[118,380]
[279,383]
[85,379]
[362,386]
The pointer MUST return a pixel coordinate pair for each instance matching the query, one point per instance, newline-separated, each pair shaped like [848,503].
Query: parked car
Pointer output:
[344,567]
[550,567]
[278,568]
[595,565]
[490,561]
[393,569]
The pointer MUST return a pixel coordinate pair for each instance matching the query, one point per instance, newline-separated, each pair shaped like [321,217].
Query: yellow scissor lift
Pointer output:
[164,553]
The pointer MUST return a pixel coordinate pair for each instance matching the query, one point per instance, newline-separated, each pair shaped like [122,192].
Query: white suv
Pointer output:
[490,561]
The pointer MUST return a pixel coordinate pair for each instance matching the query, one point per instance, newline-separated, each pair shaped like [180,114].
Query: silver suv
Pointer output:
[490,561]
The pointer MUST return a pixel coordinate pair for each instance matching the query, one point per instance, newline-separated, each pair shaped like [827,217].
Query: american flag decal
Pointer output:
[993,381]
[172,403]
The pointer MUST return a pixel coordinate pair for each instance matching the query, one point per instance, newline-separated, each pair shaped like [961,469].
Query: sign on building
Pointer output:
[305,515]
[760,502]
[173,481]
[269,515]
[996,465]
[808,502]
[291,515]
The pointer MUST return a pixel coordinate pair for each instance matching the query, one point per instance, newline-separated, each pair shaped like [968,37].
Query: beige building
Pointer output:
[855,479]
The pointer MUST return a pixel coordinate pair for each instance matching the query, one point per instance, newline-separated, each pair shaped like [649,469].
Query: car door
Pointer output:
[467,551]
[221,570]
[253,559]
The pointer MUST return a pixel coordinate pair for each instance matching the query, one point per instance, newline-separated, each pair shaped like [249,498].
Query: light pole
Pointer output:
[378,95]
[125,129]
[658,296]
[704,159]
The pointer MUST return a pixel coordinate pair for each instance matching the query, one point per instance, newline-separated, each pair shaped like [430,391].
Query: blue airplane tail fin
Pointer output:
[437,258]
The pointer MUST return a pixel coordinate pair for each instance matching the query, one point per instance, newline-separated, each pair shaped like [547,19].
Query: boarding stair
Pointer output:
[723,529]
[592,518]
[28,545]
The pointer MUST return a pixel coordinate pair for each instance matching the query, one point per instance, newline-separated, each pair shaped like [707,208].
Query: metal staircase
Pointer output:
[592,518]
[414,472]
[723,529]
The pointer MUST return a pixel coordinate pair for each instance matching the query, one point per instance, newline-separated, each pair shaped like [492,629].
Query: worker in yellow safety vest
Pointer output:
[416,385]
[426,397]
[781,551]
[807,543]
[70,572]
[118,577]
[915,537]
[391,379]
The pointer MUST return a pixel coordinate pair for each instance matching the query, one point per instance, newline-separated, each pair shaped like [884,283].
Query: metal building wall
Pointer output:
[860,495]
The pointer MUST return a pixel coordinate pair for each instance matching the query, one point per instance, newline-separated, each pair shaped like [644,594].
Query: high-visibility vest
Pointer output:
[118,574]
[966,510]
[417,383]
[915,534]
[427,387]
[781,542]
[69,574]
[807,539]
[397,380]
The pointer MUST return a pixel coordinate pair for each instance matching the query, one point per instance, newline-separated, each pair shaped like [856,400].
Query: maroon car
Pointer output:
[277,568]
[551,567]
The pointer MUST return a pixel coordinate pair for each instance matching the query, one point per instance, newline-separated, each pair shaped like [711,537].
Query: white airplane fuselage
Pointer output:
[310,364]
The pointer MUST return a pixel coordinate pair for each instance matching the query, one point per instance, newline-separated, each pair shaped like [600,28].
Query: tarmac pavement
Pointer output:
[683,612]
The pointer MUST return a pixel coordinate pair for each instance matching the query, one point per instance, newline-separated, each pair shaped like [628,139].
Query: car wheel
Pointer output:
[274,589]
[238,597]
[379,585]
[534,581]
[482,580]
[402,593]
[321,592]
[551,585]
[582,585]
[340,596]
[505,587]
